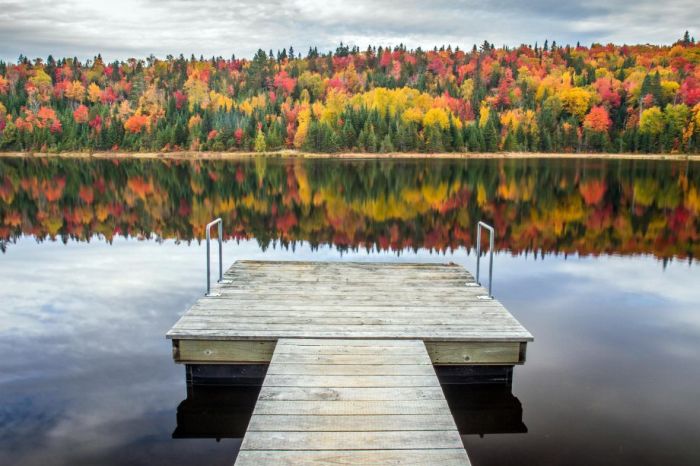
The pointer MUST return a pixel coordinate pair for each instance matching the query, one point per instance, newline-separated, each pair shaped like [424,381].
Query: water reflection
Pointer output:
[221,407]
[215,411]
[561,206]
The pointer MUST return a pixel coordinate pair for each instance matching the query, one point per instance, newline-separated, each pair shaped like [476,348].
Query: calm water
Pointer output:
[597,259]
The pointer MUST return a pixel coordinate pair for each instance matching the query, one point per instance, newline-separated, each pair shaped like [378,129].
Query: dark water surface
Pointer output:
[598,259]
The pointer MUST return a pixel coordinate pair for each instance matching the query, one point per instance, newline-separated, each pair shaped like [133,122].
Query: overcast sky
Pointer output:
[137,28]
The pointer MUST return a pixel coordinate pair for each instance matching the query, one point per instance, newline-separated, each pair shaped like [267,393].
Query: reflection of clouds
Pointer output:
[614,340]
[674,281]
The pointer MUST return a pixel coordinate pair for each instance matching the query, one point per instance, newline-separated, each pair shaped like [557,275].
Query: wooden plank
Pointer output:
[430,334]
[473,353]
[344,343]
[224,351]
[351,408]
[317,309]
[274,380]
[349,393]
[446,457]
[330,350]
[380,440]
[306,412]
[343,294]
[350,369]
[309,328]
[368,423]
[339,359]
[192,320]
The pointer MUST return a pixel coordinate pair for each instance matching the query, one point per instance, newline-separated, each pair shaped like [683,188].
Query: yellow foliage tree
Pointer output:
[335,103]
[576,101]
[652,121]
[197,92]
[76,91]
[94,93]
[220,101]
[484,112]
[412,115]
[303,119]
[467,89]
[437,116]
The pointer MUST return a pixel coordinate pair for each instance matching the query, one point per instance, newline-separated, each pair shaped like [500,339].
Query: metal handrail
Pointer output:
[479,226]
[221,264]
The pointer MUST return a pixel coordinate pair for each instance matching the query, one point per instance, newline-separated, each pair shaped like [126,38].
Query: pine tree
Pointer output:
[490,137]
[349,137]
[386,146]
[371,140]
[433,139]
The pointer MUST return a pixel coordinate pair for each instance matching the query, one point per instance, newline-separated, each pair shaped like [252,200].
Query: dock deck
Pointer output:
[351,349]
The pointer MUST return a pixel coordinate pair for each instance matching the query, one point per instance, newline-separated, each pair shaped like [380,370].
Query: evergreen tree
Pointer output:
[386,146]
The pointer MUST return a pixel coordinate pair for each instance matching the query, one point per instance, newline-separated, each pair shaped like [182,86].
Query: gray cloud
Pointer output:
[137,28]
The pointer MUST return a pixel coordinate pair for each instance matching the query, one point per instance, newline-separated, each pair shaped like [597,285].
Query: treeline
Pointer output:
[549,98]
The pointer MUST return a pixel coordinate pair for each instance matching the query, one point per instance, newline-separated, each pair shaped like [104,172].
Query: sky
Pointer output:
[138,28]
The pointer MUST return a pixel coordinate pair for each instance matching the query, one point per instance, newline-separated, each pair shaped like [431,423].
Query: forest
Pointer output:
[534,98]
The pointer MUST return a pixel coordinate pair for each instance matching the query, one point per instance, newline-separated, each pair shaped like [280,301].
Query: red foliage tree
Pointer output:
[597,120]
[81,114]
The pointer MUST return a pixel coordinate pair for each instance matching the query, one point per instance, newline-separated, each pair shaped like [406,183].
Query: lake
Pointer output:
[598,259]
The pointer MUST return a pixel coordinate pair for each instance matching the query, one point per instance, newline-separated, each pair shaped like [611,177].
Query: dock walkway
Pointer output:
[351,402]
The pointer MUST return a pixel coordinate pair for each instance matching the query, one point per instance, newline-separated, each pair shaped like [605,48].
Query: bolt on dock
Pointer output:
[351,350]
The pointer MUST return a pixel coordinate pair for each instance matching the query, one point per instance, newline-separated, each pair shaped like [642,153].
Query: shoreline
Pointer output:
[199,155]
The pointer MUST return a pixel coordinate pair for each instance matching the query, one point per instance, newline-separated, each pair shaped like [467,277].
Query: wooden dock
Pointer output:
[351,349]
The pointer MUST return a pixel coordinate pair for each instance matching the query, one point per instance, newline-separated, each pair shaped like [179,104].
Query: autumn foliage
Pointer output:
[136,123]
[598,120]
[547,97]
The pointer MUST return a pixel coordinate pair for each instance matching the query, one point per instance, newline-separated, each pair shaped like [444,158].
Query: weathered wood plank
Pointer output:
[349,393]
[350,369]
[330,349]
[348,408]
[380,440]
[304,329]
[431,334]
[274,380]
[380,318]
[265,308]
[358,423]
[224,351]
[339,359]
[446,457]
[345,343]
[473,353]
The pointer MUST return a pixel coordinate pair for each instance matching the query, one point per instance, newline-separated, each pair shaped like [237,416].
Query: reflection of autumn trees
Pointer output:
[584,206]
